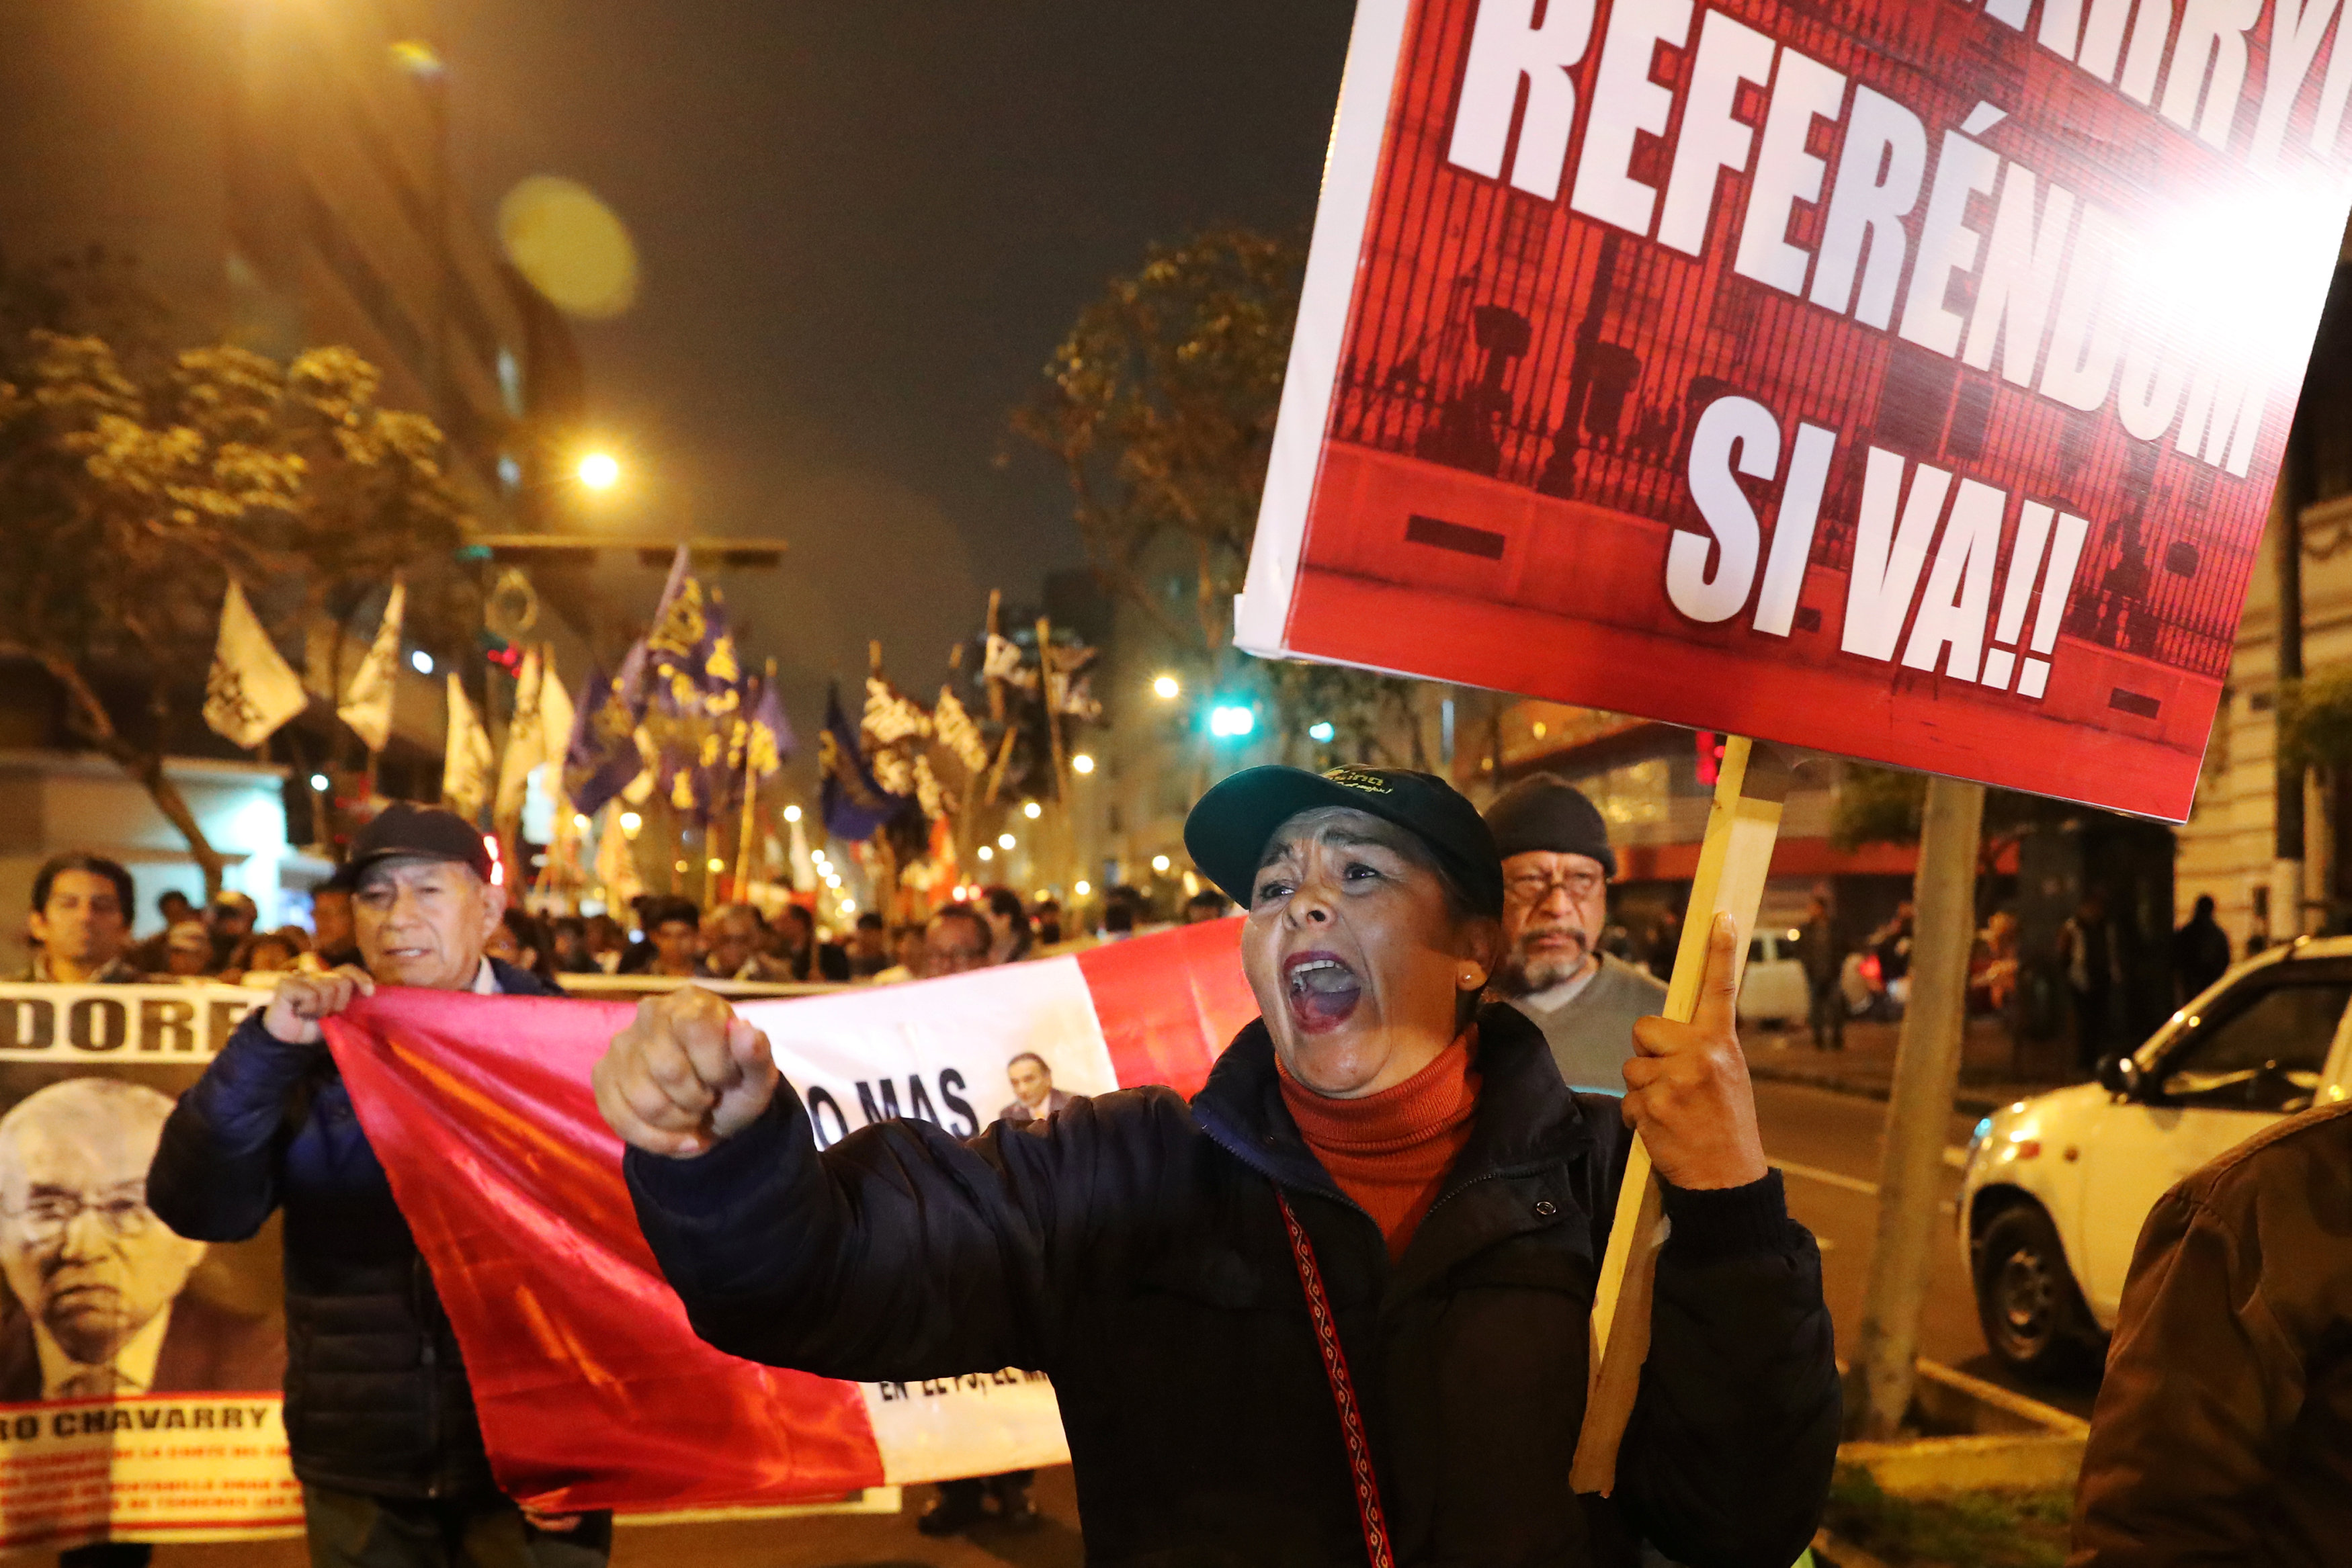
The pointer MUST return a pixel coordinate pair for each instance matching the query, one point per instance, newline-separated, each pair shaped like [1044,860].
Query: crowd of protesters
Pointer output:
[79,931]
[1532,1000]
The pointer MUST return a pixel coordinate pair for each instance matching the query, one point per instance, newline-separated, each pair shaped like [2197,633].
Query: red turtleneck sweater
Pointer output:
[1391,1151]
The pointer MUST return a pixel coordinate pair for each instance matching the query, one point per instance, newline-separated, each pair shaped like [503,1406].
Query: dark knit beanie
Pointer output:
[1544,812]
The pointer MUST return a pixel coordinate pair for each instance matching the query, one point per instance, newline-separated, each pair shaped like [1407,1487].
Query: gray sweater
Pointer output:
[1591,1035]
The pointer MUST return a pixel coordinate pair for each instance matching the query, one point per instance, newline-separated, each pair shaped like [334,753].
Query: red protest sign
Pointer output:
[1902,379]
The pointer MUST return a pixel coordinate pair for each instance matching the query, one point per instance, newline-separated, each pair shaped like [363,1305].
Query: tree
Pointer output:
[1160,407]
[1887,806]
[134,484]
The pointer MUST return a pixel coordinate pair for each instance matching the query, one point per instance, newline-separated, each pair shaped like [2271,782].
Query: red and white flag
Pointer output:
[592,1391]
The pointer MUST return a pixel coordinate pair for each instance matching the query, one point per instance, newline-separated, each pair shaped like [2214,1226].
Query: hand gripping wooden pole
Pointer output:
[1732,864]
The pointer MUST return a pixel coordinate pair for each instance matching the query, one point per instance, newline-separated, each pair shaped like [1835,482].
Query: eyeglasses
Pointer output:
[48,1217]
[1534,887]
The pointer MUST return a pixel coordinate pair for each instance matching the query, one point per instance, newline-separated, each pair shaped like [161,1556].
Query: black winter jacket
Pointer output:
[1135,1252]
[376,1397]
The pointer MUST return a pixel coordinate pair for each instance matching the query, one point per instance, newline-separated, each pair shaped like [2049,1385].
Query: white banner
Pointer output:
[949,1053]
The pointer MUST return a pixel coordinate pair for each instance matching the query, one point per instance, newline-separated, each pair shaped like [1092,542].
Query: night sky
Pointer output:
[862,228]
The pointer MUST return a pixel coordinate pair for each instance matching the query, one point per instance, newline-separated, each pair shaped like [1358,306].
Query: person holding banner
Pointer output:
[1337,1305]
[379,1414]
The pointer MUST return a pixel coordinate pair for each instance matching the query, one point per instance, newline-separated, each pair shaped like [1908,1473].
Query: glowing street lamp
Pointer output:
[1004,840]
[1165,687]
[1033,810]
[1159,863]
[1082,763]
[598,470]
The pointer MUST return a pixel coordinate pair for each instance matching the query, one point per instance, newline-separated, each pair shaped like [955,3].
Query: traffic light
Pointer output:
[1710,757]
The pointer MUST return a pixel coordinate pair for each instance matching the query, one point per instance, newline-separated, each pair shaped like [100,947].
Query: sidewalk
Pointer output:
[1993,1074]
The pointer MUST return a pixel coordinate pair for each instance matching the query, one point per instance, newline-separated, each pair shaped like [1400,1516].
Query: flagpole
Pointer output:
[1062,849]
[751,792]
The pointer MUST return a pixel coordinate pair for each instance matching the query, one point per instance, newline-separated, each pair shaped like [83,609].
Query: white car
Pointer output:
[1772,986]
[2057,1187]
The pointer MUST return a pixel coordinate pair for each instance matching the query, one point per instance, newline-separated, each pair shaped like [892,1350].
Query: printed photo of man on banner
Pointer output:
[141,1373]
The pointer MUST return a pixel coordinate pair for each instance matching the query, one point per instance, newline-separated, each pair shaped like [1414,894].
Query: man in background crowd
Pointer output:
[1557,865]
[1010,935]
[956,942]
[869,947]
[2200,952]
[232,919]
[802,956]
[187,951]
[731,941]
[174,907]
[607,943]
[570,933]
[332,942]
[674,932]
[81,922]
[1047,916]
[378,1411]
[1205,906]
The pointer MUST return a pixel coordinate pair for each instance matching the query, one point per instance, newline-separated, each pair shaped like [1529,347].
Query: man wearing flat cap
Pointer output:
[1336,1308]
[1557,867]
[379,1413]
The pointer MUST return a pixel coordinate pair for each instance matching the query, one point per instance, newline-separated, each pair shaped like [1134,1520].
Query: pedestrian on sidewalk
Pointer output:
[2220,1432]
[2200,952]
[1557,866]
[1820,947]
[1337,1305]
[81,922]
[378,1411]
[2095,973]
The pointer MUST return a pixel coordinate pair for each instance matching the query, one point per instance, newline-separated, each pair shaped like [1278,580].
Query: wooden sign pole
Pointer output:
[1733,862]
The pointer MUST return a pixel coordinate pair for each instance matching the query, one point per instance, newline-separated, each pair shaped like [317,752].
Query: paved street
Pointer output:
[1826,1142]
[1827,1145]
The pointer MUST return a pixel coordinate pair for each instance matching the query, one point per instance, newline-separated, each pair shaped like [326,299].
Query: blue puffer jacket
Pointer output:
[376,1397]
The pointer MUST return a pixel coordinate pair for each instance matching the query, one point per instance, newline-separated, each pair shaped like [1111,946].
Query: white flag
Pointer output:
[555,722]
[525,746]
[616,864]
[556,716]
[466,765]
[367,701]
[251,690]
[804,863]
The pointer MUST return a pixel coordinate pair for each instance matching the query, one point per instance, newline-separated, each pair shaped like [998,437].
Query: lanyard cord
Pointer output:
[1343,1391]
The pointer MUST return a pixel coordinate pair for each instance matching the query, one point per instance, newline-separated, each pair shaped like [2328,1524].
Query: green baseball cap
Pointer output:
[1230,826]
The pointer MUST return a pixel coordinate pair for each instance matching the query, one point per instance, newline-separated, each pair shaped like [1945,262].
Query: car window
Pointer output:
[2262,1050]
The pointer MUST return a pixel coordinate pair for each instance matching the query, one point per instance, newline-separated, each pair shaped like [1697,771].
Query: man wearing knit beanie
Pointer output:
[1557,866]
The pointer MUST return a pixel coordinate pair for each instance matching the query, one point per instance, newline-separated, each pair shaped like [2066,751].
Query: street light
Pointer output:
[1159,864]
[318,781]
[1084,887]
[1231,721]
[791,813]
[600,470]
[1165,688]
[421,661]
[1321,732]
[987,853]
[1033,810]
[1082,763]
[1004,840]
